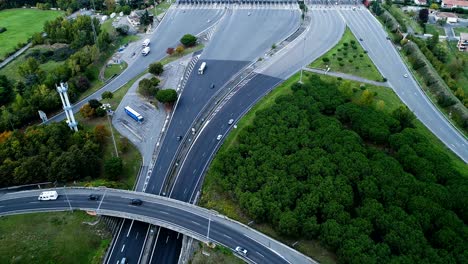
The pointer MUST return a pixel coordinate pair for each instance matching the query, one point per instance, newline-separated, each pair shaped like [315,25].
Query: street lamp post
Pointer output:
[303,52]
[109,113]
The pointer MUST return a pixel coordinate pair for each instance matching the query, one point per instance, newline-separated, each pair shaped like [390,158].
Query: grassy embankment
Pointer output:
[21,24]
[214,198]
[349,57]
[52,238]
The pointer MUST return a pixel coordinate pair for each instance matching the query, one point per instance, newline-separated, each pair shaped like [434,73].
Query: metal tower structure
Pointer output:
[62,90]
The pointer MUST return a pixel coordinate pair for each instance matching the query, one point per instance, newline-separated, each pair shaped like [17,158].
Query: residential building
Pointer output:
[455,4]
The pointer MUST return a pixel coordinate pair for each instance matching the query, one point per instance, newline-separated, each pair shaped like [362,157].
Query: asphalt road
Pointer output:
[194,221]
[226,54]
[390,64]
[175,24]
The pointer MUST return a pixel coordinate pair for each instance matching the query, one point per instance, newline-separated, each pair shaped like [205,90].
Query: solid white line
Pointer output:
[113,246]
[196,223]
[122,248]
[154,246]
[128,233]
[227,236]
[164,212]
[143,247]
[260,254]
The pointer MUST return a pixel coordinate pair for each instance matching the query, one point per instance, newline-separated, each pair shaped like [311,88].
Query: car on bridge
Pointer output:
[242,251]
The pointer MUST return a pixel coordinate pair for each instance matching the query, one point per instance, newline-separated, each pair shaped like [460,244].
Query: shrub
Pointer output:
[350,61]
[2,29]
[167,96]
[156,68]
[325,59]
[339,59]
[170,51]
[122,30]
[341,64]
[188,40]
[107,95]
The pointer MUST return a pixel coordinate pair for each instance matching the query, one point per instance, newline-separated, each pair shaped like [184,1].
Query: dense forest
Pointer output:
[50,153]
[364,182]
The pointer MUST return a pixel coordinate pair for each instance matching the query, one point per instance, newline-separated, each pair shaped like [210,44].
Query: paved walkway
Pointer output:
[15,55]
[348,76]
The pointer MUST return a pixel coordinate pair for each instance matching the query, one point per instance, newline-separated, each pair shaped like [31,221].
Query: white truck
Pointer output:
[146,42]
[48,195]
[202,68]
[145,51]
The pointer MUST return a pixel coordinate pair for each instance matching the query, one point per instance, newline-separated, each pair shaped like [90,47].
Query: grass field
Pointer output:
[21,24]
[462,79]
[52,238]
[432,29]
[348,57]
[114,69]
[161,8]
[459,30]
[214,198]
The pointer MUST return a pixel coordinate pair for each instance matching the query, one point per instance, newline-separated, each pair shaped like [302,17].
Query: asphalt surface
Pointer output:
[390,64]
[194,221]
[168,33]
[232,53]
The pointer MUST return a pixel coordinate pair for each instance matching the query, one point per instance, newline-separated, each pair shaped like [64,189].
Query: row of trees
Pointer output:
[361,180]
[20,100]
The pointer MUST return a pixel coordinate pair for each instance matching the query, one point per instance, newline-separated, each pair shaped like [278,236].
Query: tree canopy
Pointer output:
[364,182]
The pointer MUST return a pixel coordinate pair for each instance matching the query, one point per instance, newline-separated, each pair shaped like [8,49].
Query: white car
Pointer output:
[241,251]
[405,75]
[230,121]
[219,137]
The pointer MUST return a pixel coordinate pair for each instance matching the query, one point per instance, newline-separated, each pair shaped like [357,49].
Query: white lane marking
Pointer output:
[130,228]
[136,237]
[34,202]
[227,236]
[122,248]
[164,212]
[196,223]
[260,254]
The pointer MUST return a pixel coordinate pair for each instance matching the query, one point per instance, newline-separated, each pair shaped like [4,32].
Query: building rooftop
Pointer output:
[459,3]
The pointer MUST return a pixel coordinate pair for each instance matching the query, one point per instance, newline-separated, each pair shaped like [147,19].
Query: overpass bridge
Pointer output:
[194,221]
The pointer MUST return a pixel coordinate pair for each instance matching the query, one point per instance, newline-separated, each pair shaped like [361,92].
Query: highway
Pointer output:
[197,222]
[390,64]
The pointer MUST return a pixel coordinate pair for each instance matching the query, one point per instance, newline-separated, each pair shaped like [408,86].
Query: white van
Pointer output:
[145,51]
[49,195]
[146,43]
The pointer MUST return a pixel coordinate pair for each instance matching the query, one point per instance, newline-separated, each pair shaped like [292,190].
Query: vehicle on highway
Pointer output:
[146,43]
[179,138]
[230,121]
[219,137]
[123,261]
[241,251]
[212,86]
[201,70]
[49,195]
[146,51]
[93,197]
[136,202]
[405,75]
[133,114]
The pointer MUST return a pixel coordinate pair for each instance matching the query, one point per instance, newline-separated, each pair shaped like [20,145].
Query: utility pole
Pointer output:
[92,24]
[109,113]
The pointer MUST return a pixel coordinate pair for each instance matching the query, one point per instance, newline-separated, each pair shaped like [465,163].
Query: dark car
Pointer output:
[93,197]
[136,202]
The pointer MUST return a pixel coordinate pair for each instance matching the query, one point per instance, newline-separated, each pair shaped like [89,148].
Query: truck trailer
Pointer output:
[133,114]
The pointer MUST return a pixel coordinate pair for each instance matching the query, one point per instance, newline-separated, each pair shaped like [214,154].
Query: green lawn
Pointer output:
[459,30]
[214,198]
[206,255]
[21,24]
[114,69]
[432,29]
[52,238]
[348,58]
[161,8]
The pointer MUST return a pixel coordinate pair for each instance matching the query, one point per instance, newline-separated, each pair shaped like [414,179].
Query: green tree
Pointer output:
[103,41]
[113,167]
[167,96]
[6,90]
[148,87]
[188,40]
[156,68]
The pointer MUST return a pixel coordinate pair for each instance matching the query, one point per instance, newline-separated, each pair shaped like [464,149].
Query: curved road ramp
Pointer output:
[200,223]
